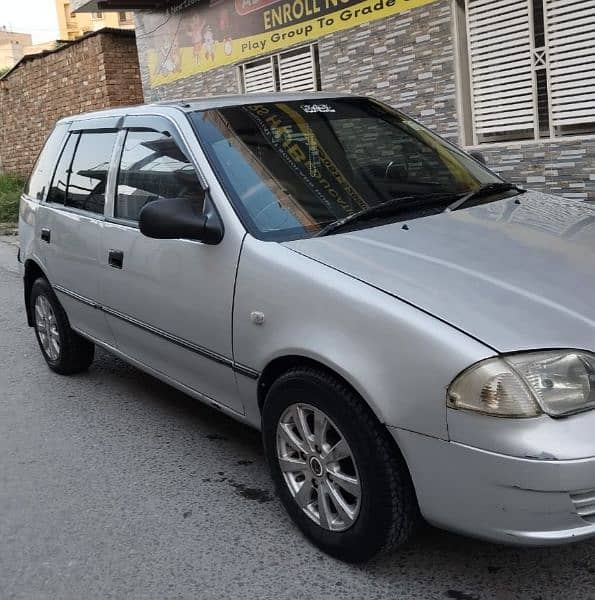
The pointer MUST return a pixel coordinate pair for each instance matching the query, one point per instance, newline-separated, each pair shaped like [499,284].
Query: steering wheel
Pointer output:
[263,223]
[388,167]
[400,169]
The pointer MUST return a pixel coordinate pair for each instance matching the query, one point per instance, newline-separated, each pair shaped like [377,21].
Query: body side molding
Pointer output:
[214,356]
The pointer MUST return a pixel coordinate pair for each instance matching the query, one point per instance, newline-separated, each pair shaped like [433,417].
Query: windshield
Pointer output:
[293,167]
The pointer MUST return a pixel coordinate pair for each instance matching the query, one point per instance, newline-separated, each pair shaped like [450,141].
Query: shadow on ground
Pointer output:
[476,570]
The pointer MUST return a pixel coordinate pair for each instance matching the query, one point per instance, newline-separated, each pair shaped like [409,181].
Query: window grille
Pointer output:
[295,70]
[531,68]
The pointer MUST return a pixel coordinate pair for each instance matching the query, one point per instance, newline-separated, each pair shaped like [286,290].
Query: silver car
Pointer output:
[413,335]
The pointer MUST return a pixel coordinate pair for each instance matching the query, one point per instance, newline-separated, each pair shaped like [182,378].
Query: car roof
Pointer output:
[204,103]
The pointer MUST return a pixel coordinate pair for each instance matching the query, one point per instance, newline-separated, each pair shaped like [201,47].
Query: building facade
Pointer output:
[74,25]
[12,47]
[512,78]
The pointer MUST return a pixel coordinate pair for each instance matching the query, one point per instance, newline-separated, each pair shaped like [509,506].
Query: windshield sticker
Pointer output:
[317,108]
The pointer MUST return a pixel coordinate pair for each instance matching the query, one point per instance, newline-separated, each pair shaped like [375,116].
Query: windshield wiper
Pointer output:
[371,211]
[395,205]
[484,190]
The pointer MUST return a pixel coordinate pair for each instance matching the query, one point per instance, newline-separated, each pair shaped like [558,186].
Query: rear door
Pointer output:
[168,302]
[70,224]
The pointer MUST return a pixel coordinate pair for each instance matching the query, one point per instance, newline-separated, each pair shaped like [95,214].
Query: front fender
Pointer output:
[399,359]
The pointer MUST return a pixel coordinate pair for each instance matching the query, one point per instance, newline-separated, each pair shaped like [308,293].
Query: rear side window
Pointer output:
[41,176]
[57,193]
[153,167]
[81,175]
[88,174]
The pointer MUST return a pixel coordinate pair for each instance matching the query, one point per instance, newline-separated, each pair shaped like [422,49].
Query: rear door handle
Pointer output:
[46,234]
[116,258]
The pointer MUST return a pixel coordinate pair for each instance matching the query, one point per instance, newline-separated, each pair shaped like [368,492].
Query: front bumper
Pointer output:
[497,497]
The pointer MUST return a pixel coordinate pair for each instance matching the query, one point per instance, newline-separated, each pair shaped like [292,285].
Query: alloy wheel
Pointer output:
[318,467]
[47,327]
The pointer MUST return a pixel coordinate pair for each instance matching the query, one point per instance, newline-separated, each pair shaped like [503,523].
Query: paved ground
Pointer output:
[114,485]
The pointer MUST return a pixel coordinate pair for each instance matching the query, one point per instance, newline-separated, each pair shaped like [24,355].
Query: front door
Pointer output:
[168,302]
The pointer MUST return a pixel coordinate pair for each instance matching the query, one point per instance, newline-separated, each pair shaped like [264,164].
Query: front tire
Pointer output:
[64,350]
[335,467]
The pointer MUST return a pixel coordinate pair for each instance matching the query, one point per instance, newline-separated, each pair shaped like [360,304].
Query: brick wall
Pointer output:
[95,72]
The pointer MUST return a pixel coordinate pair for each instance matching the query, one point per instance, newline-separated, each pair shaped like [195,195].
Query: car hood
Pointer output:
[513,275]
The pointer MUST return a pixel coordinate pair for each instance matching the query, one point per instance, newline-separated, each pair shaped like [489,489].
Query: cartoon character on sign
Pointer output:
[196,34]
[169,51]
[209,43]
[225,30]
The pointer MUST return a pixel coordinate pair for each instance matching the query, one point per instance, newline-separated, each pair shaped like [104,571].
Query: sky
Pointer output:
[37,17]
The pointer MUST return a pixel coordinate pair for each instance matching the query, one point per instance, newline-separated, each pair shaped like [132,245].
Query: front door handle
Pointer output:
[46,234]
[116,258]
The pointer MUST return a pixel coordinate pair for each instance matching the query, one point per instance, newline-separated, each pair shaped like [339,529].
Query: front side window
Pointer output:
[153,167]
[291,168]
[88,176]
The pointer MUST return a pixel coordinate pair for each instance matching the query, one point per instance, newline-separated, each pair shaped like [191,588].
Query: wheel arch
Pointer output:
[32,272]
[281,364]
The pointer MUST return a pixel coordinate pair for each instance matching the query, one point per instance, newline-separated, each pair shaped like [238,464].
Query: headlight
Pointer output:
[558,382]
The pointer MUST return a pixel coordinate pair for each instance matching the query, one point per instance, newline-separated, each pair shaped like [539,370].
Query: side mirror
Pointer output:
[478,156]
[180,218]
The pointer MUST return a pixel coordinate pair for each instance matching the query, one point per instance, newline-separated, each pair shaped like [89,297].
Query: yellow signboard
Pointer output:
[221,32]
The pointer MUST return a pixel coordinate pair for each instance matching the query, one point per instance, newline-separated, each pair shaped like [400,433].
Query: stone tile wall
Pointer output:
[408,61]
[564,167]
[405,60]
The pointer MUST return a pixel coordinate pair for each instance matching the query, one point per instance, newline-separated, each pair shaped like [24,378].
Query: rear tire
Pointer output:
[64,350]
[376,509]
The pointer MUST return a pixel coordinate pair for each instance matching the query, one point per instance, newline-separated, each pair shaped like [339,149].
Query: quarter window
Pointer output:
[57,193]
[88,176]
[42,172]
[153,167]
